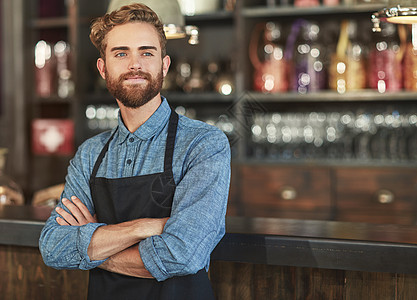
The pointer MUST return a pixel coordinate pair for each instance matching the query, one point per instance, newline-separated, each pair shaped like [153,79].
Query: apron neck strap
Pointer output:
[101,155]
[170,143]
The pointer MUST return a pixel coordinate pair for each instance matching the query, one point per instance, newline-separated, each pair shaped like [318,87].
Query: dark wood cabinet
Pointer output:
[289,192]
[376,195]
[353,194]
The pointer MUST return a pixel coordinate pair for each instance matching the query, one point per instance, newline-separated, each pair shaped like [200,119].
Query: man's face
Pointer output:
[133,69]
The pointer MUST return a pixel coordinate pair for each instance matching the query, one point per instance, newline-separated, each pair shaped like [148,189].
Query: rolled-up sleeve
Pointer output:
[65,247]
[197,221]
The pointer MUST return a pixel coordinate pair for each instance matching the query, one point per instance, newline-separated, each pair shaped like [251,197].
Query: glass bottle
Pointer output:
[307,56]
[347,70]
[62,53]
[385,68]
[306,3]
[10,191]
[410,60]
[45,69]
[266,52]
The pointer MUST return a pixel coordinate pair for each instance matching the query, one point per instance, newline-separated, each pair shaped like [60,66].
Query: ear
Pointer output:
[166,62]
[101,67]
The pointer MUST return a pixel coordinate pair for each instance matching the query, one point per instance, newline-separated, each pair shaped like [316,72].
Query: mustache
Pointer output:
[142,74]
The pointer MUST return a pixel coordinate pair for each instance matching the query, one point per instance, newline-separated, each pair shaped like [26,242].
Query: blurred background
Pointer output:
[320,110]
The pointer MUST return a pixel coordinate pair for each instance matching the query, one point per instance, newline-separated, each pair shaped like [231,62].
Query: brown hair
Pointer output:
[136,12]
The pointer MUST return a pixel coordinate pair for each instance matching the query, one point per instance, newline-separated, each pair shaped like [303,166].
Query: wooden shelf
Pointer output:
[210,97]
[353,163]
[220,15]
[54,100]
[332,96]
[280,11]
[49,23]
[322,96]
[59,22]
[197,97]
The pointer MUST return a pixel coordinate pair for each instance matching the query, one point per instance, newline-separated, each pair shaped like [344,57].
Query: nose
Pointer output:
[135,63]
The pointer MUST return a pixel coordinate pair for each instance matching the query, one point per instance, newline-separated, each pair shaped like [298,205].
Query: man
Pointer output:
[148,199]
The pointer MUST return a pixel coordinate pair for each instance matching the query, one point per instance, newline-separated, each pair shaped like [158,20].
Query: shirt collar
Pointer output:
[154,124]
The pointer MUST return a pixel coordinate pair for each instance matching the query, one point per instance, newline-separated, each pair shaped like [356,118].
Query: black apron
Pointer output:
[147,196]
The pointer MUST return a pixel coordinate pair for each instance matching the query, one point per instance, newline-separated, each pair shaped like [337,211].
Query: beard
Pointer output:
[134,95]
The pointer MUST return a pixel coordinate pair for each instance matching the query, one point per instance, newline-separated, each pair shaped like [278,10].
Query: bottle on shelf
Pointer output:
[410,60]
[385,59]
[307,57]
[45,66]
[65,85]
[347,71]
[266,53]
[52,69]
[195,82]
[306,3]
[224,83]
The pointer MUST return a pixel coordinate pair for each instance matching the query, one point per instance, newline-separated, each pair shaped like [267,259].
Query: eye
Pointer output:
[148,54]
[121,54]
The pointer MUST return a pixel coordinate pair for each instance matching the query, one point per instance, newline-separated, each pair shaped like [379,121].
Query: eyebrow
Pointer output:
[124,48]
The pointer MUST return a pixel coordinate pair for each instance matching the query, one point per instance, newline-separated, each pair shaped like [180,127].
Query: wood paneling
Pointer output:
[233,205]
[363,285]
[407,287]
[25,276]
[241,281]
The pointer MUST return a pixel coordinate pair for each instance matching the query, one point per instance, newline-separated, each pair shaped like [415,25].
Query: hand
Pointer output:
[79,213]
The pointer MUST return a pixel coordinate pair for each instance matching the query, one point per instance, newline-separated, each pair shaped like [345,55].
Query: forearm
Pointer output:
[127,262]
[112,239]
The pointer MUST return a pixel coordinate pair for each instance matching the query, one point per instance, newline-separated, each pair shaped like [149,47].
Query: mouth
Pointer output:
[135,78]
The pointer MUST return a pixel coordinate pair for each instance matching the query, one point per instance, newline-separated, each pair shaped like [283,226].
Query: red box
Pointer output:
[52,136]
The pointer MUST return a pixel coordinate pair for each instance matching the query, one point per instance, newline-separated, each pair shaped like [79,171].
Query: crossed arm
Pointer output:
[118,242]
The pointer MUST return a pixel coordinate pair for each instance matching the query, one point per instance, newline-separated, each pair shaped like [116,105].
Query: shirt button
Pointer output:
[129,161]
[131,140]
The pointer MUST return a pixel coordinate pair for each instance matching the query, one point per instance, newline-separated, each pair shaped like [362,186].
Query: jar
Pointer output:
[385,68]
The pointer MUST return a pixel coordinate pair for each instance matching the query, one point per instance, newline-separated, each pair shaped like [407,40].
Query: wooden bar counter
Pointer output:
[259,258]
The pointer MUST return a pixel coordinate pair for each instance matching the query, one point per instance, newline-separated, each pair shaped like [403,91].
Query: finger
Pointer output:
[61,221]
[66,216]
[83,209]
[74,210]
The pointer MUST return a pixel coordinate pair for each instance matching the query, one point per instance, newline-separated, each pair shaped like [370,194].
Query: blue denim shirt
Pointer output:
[201,168]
